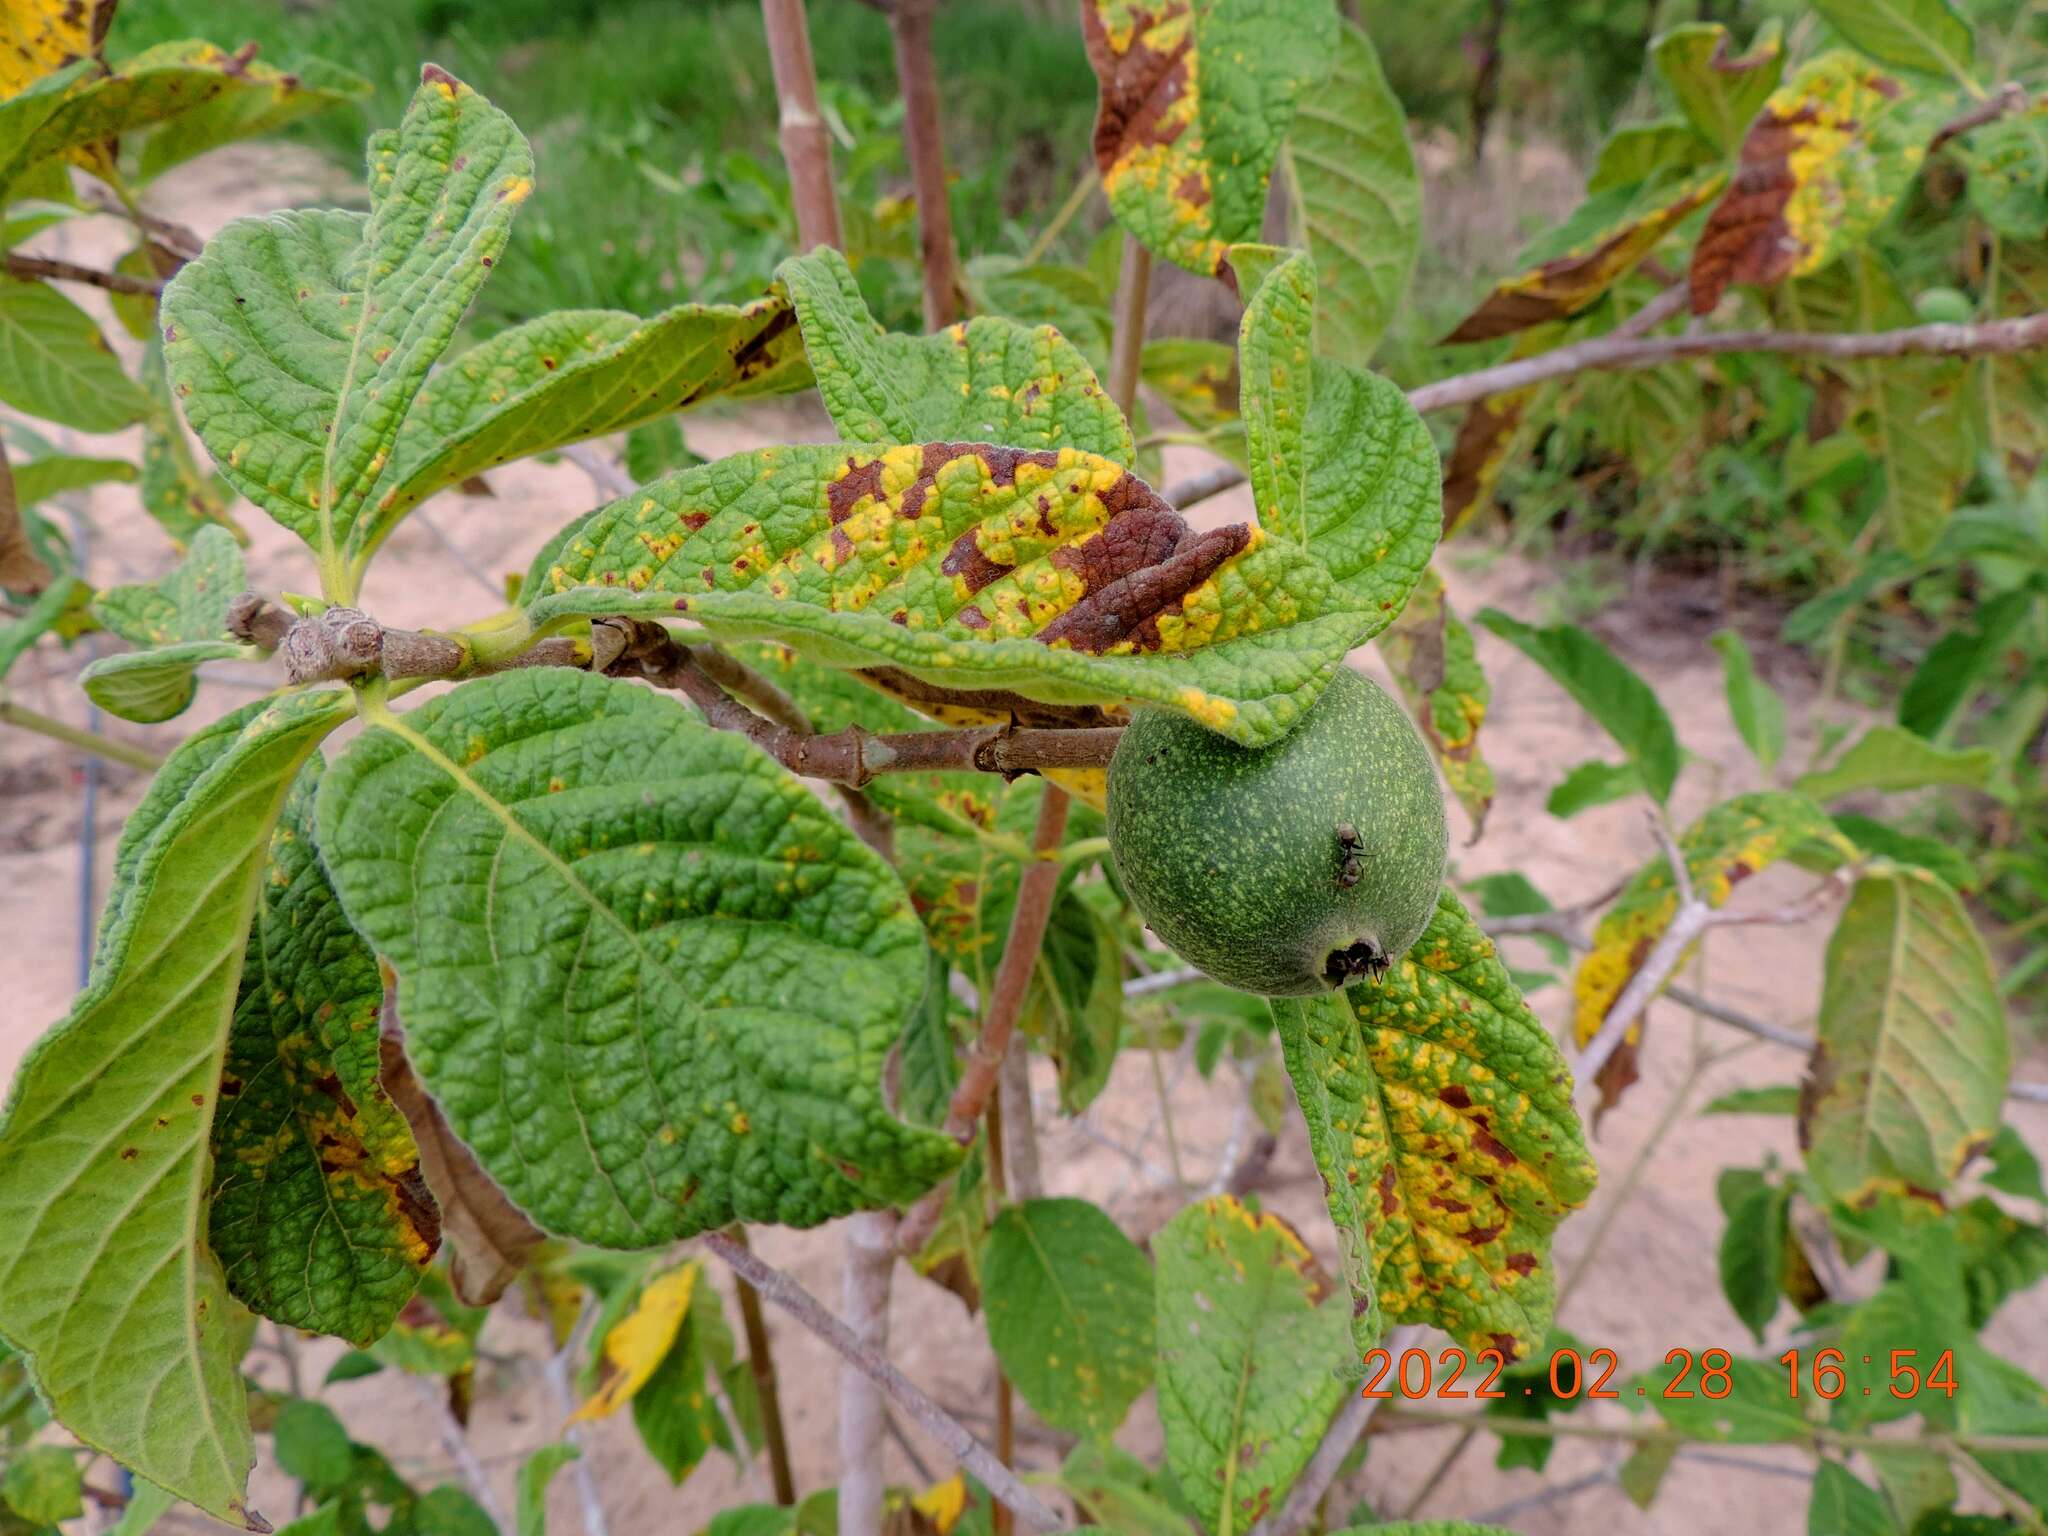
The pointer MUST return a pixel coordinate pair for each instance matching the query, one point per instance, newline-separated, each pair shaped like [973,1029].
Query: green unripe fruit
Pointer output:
[1948,306]
[1287,869]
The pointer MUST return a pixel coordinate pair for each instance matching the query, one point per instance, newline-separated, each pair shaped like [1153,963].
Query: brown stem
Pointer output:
[970,1453]
[2009,97]
[30,268]
[917,76]
[999,1194]
[1127,349]
[869,1238]
[2022,334]
[1035,890]
[761,1362]
[806,142]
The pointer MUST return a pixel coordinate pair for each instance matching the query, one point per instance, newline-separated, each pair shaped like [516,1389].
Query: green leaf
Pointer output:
[1949,673]
[1196,97]
[1731,842]
[672,1411]
[312,1445]
[613,929]
[1753,704]
[158,85]
[1889,759]
[1752,1257]
[1820,171]
[299,341]
[2014,1169]
[1075,1008]
[1593,784]
[54,362]
[1357,199]
[259,102]
[1069,1302]
[1198,379]
[1115,1491]
[1755,1410]
[43,1485]
[1775,1100]
[319,1213]
[2008,165]
[535,1473]
[654,448]
[146,1506]
[1440,1116]
[1924,35]
[104,1156]
[1844,1505]
[1619,701]
[1637,152]
[986,380]
[1275,345]
[1908,1074]
[1054,573]
[55,473]
[2001,1256]
[1069,299]
[181,620]
[177,491]
[1575,264]
[1719,93]
[154,685]
[1430,652]
[575,374]
[1250,1341]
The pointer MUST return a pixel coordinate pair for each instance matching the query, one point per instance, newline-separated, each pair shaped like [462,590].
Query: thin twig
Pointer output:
[30,268]
[107,747]
[609,480]
[1612,353]
[969,1452]
[555,1373]
[1183,494]
[761,1363]
[1127,345]
[806,142]
[1033,909]
[917,78]
[455,1442]
[869,1249]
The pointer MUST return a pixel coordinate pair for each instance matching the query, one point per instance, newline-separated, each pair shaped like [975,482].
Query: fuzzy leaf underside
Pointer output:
[1731,842]
[1250,1341]
[986,380]
[1908,1075]
[648,977]
[1196,97]
[1360,199]
[177,490]
[1440,1114]
[318,1213]
[1057,574]
[1819,171]
[178,622]
[104,1155]
[1275,346]
[298,342]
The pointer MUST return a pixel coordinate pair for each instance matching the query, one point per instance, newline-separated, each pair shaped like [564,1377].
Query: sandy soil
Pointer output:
[1654,1286]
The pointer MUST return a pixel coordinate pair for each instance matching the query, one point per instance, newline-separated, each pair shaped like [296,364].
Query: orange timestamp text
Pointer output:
[1453,1373]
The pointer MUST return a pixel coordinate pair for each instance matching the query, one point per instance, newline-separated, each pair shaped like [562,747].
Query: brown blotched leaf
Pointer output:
[21,569]
[1485,440]
[1821,168]
[489,1239]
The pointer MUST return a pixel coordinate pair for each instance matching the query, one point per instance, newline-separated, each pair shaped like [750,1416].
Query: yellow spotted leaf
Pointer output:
[1723,848]
[40,37]
[1440,1114]
[1820,170]
[1053,573]
[1601,243]
[1436,667]
[639,1342]
[1196,97]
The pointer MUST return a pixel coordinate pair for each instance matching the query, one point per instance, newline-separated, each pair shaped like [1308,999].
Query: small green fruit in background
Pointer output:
[1288,869]
[1946,306]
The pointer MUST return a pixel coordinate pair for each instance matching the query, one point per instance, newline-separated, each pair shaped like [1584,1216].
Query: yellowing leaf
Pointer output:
[1820,170]
[1196,98]
[638,1344]
[943,1503]
[1723,848]
[39,37]
[1436,666]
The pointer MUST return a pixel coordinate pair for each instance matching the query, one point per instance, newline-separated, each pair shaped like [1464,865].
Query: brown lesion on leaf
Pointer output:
[1125,609]
[1477,457]
[1140,84]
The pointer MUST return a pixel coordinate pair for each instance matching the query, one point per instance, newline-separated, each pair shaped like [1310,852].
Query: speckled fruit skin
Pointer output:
[1236,856]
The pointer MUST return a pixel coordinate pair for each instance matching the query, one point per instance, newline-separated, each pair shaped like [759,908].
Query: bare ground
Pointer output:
[1653,1288]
